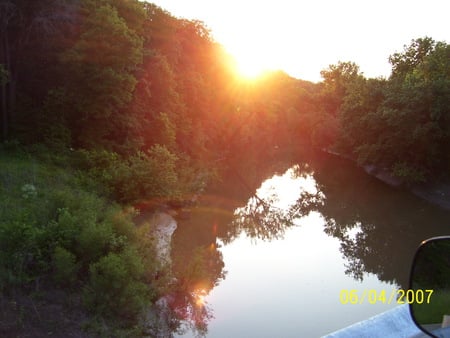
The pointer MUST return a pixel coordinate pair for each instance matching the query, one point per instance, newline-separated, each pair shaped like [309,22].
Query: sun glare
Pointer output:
[250,65]
[200,296]
[250,69]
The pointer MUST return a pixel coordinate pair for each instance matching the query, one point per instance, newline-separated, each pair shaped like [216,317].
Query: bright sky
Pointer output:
[303,37]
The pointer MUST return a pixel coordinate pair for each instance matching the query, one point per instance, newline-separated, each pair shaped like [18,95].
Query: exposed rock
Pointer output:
[164,227]
[158,317]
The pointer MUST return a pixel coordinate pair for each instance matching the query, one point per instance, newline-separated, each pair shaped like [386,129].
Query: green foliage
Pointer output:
[102,63]
[93,241]
[113,288]
[65,266]
[412,56]
[148,175]
[21,257]
[165,132]
[141,176]
[402,123]
[336,82]
[53,232]
[356,122]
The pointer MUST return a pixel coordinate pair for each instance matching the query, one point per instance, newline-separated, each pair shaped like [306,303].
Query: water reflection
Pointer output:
[197,267]
[378,228]
[269,212]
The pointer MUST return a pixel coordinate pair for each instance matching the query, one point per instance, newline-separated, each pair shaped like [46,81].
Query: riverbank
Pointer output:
[437,193]
[73,262]
[161,226]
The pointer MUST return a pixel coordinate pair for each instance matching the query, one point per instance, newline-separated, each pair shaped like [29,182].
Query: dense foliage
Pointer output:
[57,233]
[402,123]
[117,101]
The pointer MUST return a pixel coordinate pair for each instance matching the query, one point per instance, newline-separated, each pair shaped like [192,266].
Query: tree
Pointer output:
[28,34]
[336,80]
[412,56]
[101,66]
[363,98]
[402,124]
[417,107]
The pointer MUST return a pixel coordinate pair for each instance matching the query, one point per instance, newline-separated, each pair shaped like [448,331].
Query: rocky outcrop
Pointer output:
[163,228]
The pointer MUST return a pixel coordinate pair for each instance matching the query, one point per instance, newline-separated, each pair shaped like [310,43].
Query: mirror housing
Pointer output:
[429,287]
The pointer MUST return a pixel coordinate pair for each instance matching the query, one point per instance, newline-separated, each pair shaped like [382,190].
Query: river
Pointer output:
[275,250]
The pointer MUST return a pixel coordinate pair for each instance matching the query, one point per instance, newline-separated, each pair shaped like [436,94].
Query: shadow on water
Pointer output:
[379,228]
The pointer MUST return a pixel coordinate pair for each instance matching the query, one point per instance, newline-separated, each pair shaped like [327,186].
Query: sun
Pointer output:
[250,65]
[249,68]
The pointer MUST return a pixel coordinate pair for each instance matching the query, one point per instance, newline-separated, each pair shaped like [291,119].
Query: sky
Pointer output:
[304,37]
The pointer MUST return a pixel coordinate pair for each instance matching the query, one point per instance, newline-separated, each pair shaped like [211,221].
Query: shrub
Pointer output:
[65,267]
[114,288]
[54,232]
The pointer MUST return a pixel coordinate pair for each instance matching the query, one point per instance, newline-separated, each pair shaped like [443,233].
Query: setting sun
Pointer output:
[253,59]
[303,38]
[250,66]
[249,69]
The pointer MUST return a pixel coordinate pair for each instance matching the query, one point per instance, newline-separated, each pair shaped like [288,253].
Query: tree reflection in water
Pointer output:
[196,274]
[180,312]
[270,211]
[259,219]
[379,228]
[191,311]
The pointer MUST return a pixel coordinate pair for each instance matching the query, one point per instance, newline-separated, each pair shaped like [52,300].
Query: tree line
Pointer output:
[127,78]
[401,123]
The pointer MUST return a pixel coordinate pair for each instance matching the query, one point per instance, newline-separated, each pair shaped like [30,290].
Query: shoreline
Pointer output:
[436,193]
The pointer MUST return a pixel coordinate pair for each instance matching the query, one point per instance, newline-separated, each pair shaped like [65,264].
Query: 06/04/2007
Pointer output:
[400,296]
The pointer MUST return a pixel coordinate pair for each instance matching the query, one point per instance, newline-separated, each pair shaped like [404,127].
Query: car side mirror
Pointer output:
[429,287]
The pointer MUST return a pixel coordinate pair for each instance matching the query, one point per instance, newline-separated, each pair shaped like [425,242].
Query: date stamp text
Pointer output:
[398,296]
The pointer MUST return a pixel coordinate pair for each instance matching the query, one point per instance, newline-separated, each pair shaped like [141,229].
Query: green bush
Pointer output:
[114,288]
[139,177]
[65,267]
[148,176]
[21,258]
[55,233]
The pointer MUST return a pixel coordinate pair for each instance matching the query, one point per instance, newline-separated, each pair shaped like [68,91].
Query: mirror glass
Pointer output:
[429,292]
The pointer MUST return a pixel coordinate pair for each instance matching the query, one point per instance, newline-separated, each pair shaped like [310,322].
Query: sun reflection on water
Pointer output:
[199,296]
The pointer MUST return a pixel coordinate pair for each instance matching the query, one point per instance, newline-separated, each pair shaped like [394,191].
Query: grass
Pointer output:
[433,312]
[60,237]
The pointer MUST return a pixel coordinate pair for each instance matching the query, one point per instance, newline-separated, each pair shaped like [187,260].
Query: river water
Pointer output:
[278,251]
